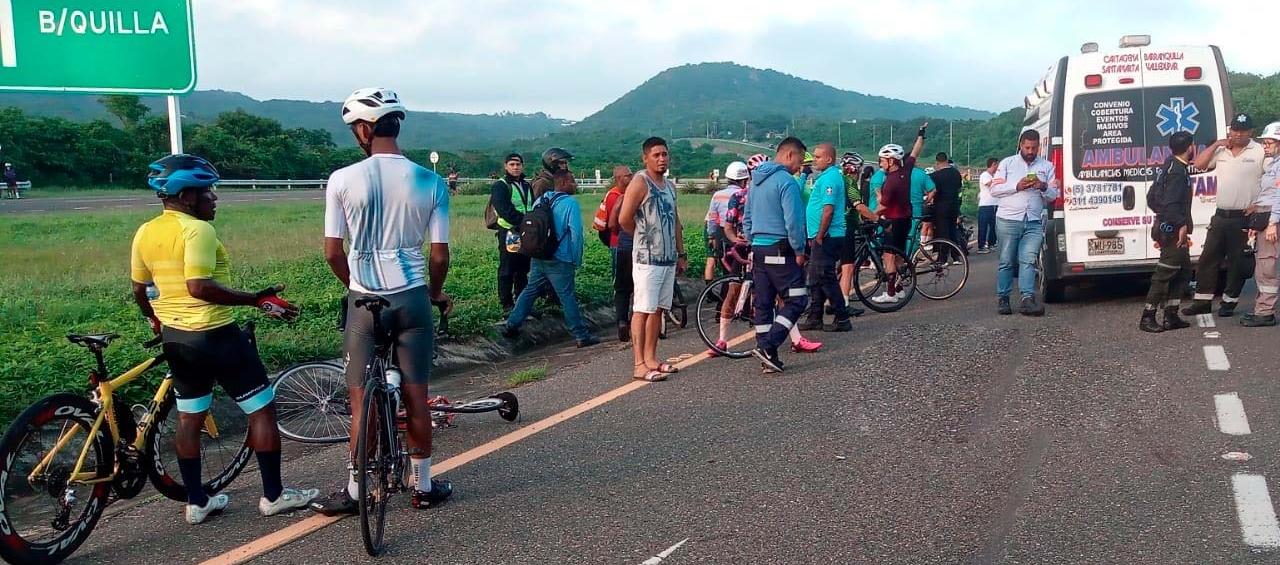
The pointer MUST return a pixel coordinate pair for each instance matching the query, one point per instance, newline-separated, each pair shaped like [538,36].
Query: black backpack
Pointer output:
[1157,187]
[538,236]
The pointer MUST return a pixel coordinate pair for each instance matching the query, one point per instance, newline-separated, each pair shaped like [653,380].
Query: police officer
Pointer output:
[511,198]
[1268,202]
[1238,162]
[775,224]
[1170,198]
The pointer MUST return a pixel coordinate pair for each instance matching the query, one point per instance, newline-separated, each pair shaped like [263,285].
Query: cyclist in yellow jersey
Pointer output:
[180,254]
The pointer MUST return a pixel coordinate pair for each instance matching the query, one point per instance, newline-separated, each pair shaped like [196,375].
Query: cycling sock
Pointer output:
[190,471]
[353,489]
[724,327]
[269,467]
[422,472]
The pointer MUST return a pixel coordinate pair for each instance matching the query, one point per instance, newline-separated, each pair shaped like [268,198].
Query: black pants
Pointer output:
[623,285]
[945,227]
[513,272]
[823,283]
[774,275]
[1223,247]
[1173,271]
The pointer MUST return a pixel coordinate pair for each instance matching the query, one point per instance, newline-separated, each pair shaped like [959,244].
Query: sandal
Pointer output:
[652,376]
[666,368]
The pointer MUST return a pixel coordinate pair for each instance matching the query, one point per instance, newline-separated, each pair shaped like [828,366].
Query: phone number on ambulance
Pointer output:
[1094,200]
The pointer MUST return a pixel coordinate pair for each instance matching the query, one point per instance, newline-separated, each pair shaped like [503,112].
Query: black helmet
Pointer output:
[555,159]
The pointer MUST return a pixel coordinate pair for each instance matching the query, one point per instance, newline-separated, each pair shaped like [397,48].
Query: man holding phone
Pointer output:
[1023,184]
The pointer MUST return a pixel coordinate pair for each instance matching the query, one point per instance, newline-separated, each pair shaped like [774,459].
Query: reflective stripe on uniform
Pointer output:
[1200,296]
[775,260]
[1168,266]
[1230,299]
[764,329]
[783,322]
[794,292]
[1267,289]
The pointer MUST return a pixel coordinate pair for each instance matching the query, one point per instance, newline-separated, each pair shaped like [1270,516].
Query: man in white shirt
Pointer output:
[386,207]
[987,205]
[1238,160]
[1024,183]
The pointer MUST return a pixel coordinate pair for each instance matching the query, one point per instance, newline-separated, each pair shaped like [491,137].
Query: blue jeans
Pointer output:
[1020,241]
[559,275]
[987,227]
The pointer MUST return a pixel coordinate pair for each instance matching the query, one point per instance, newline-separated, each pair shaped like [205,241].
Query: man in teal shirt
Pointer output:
[825,223]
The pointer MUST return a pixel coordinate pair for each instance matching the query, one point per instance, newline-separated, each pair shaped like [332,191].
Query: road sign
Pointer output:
[435,157]
[97,46]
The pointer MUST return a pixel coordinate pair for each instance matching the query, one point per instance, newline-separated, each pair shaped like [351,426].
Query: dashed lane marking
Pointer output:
[1257,516]
[655,560]
[1231,417]
[1205,320]
[1215,356]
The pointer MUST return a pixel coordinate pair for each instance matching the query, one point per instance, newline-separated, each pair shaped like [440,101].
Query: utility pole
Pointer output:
[890,133]
[951,138]
[875,144]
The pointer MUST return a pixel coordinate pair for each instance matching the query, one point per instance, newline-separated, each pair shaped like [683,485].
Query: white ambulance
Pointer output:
[1105,118]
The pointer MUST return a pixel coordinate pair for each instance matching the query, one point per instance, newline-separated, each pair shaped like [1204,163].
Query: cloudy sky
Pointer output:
[569,58]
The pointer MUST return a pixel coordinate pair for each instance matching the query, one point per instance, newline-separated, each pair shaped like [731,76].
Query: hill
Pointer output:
[682,101]
[434,130]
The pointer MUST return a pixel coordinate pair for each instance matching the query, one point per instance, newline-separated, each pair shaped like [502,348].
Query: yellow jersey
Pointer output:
[172,249]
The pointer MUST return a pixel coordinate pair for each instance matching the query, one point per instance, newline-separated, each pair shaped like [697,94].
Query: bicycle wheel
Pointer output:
[224,450]
[873,277]
[936,278]
[726,295]
[312,403]
[679,308]
[46,515]
[373,464]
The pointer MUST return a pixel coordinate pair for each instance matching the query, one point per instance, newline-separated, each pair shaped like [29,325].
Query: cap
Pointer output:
[1242,122]
[513,157]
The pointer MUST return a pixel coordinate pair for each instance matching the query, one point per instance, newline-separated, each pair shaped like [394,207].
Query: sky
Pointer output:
[570,58]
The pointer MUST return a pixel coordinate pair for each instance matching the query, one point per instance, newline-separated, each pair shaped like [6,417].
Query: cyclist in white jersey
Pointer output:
[385,208]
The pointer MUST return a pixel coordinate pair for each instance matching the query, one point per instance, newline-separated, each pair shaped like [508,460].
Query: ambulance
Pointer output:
[1104,119]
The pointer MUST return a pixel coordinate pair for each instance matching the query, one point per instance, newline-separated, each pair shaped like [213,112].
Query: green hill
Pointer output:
[682,101]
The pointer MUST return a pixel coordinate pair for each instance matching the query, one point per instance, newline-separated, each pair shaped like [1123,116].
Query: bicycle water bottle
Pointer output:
[393,378]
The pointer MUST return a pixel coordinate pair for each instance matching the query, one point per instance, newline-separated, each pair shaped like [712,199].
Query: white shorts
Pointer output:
[654,286]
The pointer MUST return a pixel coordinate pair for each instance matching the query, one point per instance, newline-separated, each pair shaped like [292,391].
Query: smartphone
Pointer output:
[1031,176]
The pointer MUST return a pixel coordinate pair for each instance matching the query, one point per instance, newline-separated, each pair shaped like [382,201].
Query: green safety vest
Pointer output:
[519,199]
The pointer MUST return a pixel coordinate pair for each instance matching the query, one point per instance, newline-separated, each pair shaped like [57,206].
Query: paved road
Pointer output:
[940,434]
[141,199]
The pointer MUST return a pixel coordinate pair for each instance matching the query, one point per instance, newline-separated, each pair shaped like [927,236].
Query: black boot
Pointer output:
[811,323]
[1172,321]
[1149,323]
[1198,307]
[1226,309]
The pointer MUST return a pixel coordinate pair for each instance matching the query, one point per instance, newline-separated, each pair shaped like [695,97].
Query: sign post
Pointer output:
[435,158]
[137,47]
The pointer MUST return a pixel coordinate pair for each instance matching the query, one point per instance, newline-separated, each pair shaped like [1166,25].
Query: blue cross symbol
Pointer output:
[1178,115]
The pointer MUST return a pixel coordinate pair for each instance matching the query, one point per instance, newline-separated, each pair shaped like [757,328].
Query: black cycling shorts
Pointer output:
[850,247]
[227,356]
[896,233]
[409,318]
[715,244]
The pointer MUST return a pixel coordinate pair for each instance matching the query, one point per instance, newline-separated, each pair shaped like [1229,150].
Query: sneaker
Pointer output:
[289,499]
[957,262]
[1003,306]
[811,323]
[770,362]
[441,490]
[839,326]
[508,331]
[216,504]
[806,346]
[590,341]
[1226,309]
[854,311]
[1255,321]
[1030,307]
[336,504]
[884,298]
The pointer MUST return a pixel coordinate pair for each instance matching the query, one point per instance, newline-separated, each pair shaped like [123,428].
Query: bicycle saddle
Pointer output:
[372,302]
[92,340]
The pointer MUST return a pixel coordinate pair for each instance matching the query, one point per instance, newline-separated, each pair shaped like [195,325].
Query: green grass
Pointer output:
[69,273]
[526,376]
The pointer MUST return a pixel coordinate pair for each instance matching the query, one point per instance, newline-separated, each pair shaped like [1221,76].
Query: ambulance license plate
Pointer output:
[1106,246]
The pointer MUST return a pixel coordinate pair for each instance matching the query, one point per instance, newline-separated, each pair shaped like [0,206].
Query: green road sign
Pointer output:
[109,46]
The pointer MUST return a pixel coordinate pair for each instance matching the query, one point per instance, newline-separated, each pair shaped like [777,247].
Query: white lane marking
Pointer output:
[81,208]
[655,560]
[1231,417]
[317,198]
[1236,456]
[1213,335]
[1215,356]
[1257,517]
[1205,320]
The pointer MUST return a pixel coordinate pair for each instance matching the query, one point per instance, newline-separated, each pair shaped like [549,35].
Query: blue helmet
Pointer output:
[171,175]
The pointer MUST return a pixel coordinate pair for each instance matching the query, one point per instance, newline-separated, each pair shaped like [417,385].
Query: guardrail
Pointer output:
[261,183]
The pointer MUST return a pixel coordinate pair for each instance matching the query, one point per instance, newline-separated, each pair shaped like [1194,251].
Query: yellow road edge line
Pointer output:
[307,526]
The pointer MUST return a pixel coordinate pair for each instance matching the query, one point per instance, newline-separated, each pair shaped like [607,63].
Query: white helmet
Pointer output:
[736,170]
[370,104]
[1272,132]
[891,151]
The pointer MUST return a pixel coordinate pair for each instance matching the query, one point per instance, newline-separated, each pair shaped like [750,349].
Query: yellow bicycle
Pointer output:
[67,457]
